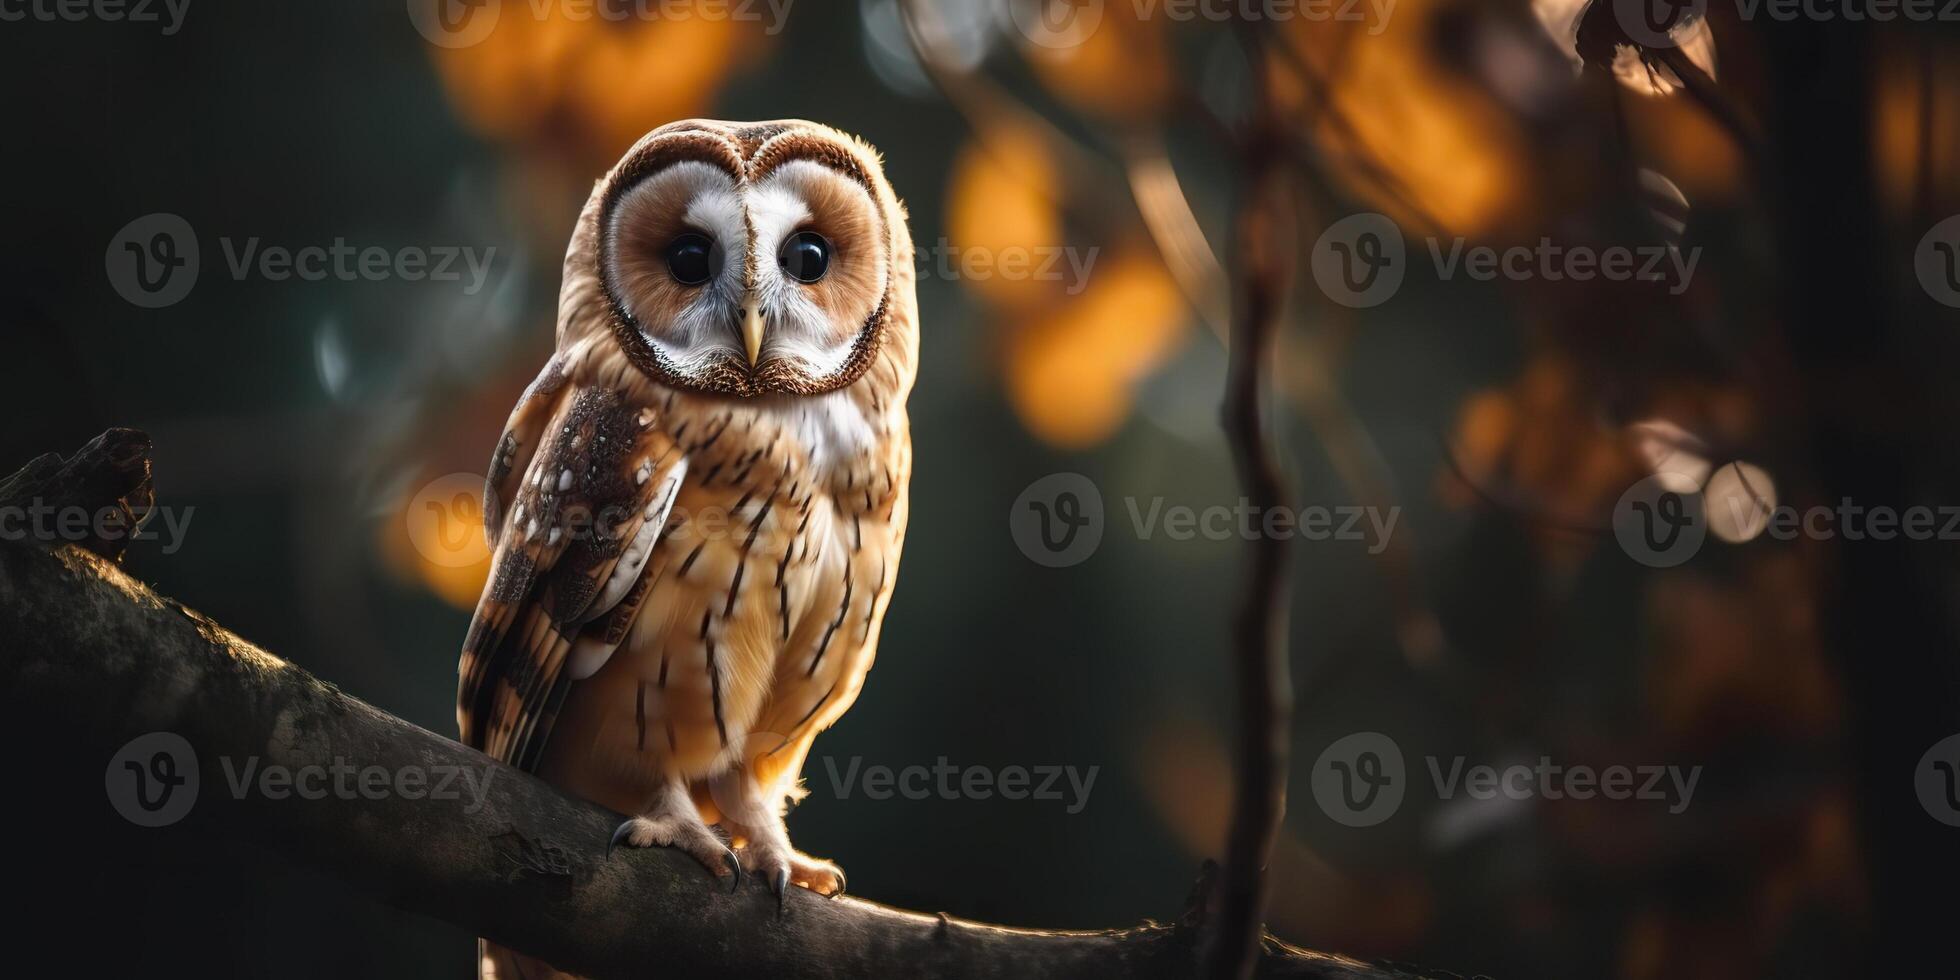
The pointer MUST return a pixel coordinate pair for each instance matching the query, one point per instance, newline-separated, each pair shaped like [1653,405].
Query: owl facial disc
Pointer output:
[746,262]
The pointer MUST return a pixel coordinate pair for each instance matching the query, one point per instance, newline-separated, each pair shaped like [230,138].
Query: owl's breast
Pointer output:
[765,595]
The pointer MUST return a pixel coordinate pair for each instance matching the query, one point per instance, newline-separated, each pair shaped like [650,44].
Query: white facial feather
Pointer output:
[798,327]
[745,223]
[699,330]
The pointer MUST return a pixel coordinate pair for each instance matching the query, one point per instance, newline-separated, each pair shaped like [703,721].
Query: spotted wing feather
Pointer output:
[601,474]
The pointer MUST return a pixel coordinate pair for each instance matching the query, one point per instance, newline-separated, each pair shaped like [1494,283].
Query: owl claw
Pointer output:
[782,888]
[691,837]
[620,833]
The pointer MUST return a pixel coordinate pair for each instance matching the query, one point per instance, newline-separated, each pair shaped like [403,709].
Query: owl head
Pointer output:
[747,259]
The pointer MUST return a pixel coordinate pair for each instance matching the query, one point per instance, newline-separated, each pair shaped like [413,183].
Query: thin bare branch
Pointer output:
[1263,261]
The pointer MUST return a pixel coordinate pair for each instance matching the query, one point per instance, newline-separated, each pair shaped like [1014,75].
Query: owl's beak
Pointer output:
[752,326]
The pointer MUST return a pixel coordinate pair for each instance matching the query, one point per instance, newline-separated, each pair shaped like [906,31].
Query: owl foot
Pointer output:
[691,837]
[749,815]
[781,867]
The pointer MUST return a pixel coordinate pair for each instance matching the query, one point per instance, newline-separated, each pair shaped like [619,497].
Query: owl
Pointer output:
[696,510]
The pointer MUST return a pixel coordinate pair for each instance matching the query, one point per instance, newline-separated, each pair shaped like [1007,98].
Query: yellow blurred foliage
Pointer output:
[436,539]
[1537,446]
[1071,358]
[1687,145]
[595,83]
[1901,143]
[1071,371]
[1000,196]
[1121,68]
[1460,157]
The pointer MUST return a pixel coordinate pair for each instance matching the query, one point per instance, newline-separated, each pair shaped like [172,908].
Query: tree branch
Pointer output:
[1259,650]
[87,651]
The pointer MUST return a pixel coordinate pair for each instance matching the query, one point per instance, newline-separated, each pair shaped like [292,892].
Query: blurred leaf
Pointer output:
[1457,155]
[1000,197]
[1916,127]
[593,83]
[1071,373]
[455,572]
[1122,68]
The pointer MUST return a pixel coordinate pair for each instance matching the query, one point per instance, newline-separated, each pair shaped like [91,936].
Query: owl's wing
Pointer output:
[519,444]
[584,516]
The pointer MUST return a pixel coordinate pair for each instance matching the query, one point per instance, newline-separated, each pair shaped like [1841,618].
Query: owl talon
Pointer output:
[782,888]
[689,836]
[619,834]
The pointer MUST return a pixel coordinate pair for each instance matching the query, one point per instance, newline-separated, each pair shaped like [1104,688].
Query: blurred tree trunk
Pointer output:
[1868,390]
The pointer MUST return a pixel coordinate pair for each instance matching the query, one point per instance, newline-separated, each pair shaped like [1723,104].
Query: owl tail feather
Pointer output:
[496,962]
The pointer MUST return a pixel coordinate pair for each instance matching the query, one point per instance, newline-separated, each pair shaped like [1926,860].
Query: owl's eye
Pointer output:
[691,258]
[805,256]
